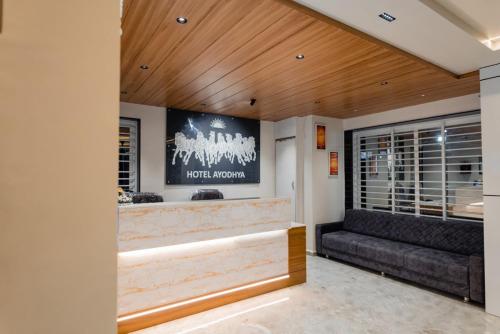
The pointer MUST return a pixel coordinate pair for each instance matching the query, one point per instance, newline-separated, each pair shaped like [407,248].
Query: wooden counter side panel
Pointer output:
[297,250]
[146,226]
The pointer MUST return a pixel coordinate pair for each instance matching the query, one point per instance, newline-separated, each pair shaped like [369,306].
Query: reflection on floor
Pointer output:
[340,299]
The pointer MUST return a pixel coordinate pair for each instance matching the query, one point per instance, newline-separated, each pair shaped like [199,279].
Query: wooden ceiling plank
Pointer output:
[139,27]
[232,50]
[363,35]
[166,40]
[322,61]
[366,94]
[409,93]
[341,86]
[343,74]
[248,39]
[214,28]
[282,54]
[410,99]
[371,93]
[126,8]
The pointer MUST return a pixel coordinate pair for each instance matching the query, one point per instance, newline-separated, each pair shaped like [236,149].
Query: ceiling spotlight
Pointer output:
[387,17]
[182,20]
[252,101]
[144,67]
[383,83]
[422,95]
[300,56]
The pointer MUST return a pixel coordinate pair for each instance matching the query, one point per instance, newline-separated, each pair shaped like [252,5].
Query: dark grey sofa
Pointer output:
[445,255]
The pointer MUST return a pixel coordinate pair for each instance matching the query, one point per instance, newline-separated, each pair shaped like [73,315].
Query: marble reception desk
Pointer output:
[180,258]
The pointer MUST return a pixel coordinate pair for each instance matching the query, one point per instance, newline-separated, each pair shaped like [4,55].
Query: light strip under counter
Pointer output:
[200,245]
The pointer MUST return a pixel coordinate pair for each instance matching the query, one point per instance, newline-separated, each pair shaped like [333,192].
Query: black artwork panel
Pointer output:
[204,148]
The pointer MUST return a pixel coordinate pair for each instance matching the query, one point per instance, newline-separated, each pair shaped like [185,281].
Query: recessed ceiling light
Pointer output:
[144,67]
[182,20]
[422,95]
[300,56]
[387,17]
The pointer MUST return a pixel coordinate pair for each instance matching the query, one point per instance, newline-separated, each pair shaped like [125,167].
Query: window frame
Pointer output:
[138,150]
[390,130]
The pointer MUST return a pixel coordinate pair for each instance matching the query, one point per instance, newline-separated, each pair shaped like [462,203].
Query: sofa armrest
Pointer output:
[323,229]
[476,278]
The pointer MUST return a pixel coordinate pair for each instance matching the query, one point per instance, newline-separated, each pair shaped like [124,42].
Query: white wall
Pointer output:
[286,128]
[323,194]
[490,122]
[431,109]
[153,159]
[59,84]
[294,127]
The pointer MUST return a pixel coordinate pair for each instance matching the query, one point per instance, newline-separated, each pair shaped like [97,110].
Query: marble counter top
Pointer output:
[145,226]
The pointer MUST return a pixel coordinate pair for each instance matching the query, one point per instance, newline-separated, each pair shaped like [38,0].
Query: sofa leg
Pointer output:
[382,274]
[466,299]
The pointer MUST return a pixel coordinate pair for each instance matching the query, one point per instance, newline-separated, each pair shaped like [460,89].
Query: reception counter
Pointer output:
[177,259]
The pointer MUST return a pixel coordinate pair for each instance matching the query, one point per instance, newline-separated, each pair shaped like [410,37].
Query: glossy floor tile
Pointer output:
[340,299]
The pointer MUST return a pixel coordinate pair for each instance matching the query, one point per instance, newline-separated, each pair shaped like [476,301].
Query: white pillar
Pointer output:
[490,120]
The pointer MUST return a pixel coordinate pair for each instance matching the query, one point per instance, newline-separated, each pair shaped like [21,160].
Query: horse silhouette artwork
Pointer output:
[210,151]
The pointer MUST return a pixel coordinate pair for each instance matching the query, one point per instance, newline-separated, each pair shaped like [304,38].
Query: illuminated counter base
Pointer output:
[160,284]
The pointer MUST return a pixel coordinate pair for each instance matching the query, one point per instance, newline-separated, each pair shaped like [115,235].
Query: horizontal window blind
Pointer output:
[464,183]
[431,168]
[127,163]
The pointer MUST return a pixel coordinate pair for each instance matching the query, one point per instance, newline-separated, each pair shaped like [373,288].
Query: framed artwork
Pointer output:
[320,137]
[205,148]
[333,163]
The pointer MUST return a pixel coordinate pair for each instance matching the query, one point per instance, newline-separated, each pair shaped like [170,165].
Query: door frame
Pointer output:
[276,140]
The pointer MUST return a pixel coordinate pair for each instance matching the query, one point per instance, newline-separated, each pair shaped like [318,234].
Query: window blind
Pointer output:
[431,168]
[127,163]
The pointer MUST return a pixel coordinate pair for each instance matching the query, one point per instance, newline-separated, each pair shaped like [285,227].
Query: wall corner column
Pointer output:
[490,122]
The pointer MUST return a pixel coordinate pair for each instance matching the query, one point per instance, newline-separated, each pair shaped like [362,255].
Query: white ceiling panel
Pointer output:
[421,30]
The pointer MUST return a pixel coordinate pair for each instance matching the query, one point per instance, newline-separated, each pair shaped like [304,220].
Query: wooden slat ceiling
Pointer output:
[234,50]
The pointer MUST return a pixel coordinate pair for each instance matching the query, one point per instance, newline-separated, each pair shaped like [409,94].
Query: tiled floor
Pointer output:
[340,299]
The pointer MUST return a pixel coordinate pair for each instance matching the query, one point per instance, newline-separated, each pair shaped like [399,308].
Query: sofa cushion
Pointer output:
[385,251]
[438,264]
[377,249]
[454,236]
[343,241]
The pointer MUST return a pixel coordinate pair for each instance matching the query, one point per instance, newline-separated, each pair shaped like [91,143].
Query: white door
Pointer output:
[285,170]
